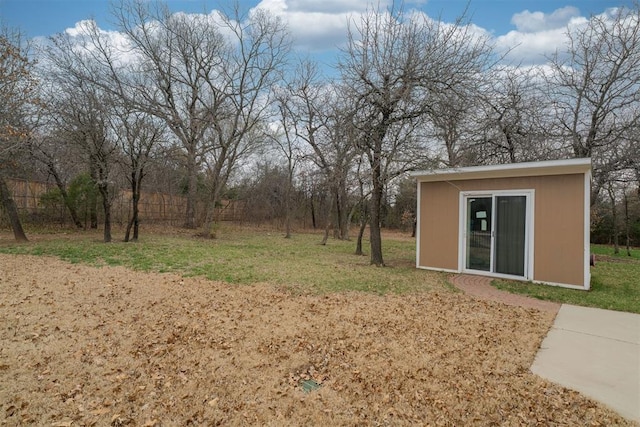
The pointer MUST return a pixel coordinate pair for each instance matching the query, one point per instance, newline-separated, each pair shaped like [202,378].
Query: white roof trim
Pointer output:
[511,170]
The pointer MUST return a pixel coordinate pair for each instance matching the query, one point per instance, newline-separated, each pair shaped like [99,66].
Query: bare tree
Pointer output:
[595,86]
[251,69]
[50,151]
[137,134]
[286,142]
[391,68]
[93,59]
[449,117]
[514,119]
[320,120]
[632,155]
[363,204]
[17,96]
[86,123]
[207,77]
[178,56]
[82,112]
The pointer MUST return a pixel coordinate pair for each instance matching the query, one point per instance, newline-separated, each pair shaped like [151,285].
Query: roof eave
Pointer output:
[512,170]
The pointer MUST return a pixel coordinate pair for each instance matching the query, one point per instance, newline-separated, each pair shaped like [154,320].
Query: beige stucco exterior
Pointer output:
[559,220]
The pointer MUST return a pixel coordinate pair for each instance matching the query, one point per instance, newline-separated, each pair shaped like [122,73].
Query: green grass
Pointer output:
[607,251]
[615,283]
[245,257]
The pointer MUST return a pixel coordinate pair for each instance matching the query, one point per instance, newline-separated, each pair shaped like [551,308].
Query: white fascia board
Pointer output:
[587,230]
[511,170]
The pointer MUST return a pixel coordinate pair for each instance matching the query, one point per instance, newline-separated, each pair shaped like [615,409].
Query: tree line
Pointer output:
[198,103]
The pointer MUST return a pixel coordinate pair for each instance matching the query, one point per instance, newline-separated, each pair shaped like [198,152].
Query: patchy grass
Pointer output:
[109,346]
[241,256]
[607,251]
[615,284]
[248,256]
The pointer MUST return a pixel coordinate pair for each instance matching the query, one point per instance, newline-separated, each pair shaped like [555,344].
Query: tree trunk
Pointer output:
[93,212]
[287,219]
[135,209]
[614,219]
[287,202]
[338,218]
[327,226]
[363,227]
[65,196]
[287,227]
[313,213]
[363,215]
[93,199]
[329,223]
[192,191]
[374,228]
[127,232]
[376,205]
[210,221]
[12,212]
[326,234]
[374,222]
[106,206]
[352,211]
[627,222]
[210,224]
[346,220]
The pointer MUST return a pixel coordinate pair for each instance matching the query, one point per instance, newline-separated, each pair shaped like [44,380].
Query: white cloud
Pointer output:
[81,28]
[114,40]
[530,47]
[322,25]
[531,22]
[316,25]
[331,7]
[538,35]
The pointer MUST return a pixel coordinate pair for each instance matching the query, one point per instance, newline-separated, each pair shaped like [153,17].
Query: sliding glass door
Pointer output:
[495,233]
[479,231]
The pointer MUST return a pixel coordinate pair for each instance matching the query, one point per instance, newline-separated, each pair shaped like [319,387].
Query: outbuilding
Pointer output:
[524,221]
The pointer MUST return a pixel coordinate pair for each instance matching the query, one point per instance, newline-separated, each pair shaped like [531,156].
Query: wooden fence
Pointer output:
[154,207]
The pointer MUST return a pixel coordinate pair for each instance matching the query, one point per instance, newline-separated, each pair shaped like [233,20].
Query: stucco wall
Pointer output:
[558,223]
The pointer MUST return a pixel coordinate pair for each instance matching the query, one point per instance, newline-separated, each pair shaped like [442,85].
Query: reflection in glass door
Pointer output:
[478,236]
[510,234]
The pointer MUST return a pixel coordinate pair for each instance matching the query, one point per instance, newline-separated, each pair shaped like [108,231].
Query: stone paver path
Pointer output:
[480,287]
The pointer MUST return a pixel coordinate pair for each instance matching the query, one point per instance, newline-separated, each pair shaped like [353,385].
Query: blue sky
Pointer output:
[535,26]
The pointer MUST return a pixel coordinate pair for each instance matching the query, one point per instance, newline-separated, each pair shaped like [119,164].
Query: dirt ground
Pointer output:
[109,346]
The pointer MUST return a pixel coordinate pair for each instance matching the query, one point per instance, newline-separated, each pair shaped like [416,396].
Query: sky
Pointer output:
[531,29]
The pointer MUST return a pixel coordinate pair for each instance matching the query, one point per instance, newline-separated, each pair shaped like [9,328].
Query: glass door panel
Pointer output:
[478,233]
[510,232]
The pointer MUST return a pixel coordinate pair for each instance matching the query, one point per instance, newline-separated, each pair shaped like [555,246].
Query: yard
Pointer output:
[255,329]
[615,283]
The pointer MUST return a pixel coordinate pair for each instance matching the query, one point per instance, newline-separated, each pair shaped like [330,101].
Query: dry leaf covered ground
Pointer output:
[110,346]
